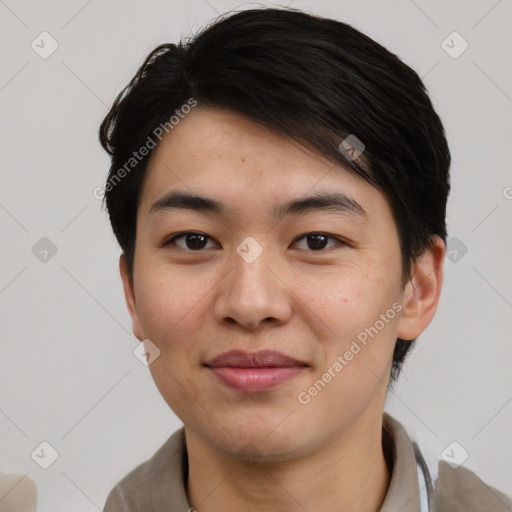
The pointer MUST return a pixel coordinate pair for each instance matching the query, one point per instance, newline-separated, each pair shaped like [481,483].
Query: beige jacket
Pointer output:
[158,484]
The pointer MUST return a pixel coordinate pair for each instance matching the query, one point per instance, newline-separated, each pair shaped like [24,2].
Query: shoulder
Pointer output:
[156,482]
[461,490]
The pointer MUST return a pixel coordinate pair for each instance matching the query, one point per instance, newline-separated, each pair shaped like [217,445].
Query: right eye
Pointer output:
[194,241]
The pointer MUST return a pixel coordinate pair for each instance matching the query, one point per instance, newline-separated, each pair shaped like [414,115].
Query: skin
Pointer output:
[267,451]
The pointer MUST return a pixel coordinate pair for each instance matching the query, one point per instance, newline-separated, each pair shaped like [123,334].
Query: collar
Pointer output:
[404,490]
[159,484]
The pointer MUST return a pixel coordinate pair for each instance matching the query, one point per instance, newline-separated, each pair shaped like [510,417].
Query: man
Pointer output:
[278,188]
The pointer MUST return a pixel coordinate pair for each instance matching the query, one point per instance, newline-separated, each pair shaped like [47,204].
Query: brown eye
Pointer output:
[192,241]
[318,241]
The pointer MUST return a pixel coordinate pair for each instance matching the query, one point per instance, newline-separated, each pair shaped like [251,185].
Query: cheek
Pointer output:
[170,311]
[357,307]
[350,299]
[168,304]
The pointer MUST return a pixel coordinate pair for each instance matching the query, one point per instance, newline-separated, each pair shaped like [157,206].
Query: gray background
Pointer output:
[68,373]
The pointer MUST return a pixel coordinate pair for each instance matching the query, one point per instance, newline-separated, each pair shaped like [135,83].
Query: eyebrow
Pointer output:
[323,201]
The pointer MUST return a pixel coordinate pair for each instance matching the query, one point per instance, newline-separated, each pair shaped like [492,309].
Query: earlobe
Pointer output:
[421,295]
[129,295]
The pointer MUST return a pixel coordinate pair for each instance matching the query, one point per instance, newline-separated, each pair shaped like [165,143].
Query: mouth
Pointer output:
[254,372]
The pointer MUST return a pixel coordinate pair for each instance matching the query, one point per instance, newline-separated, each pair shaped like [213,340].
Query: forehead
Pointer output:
[218,153]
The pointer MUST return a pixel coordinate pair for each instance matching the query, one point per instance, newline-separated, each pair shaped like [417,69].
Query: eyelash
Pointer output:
[171,240]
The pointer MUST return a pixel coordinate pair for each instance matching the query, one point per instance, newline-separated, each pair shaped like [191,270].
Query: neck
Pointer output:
[348,474]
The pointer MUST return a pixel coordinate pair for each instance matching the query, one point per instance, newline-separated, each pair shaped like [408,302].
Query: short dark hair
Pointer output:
[313,79]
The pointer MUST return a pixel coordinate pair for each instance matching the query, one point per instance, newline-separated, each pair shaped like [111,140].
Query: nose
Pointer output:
[254,294]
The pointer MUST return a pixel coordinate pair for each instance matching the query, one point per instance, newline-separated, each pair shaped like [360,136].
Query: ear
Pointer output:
[129,295]
[422,292]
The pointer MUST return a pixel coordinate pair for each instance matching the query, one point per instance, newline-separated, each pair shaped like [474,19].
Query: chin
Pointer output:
[256,438]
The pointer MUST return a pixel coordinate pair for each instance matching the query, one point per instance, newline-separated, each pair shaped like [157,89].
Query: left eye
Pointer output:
[318,241]
[196,241]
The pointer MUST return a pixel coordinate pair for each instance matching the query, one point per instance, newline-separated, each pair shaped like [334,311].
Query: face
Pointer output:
[308,284]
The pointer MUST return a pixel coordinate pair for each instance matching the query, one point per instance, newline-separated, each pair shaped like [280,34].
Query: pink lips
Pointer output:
[252,372]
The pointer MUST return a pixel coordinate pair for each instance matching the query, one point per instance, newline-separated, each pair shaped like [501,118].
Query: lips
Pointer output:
[262,359]
[253,372]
